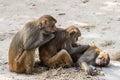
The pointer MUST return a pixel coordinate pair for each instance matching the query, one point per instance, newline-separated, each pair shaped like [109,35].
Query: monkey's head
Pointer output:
[74,33]
[102,59]
[47,23]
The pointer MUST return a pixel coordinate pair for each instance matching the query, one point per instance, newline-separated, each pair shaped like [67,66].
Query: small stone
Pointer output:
[33,5]
[56,9]
[118,19]
[6,63]
[61,14]
[84,1]
[101,73]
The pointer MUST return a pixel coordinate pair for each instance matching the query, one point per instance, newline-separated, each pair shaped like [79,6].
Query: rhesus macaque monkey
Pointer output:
[59,50]
[93,56]
[22,48]
[74,35]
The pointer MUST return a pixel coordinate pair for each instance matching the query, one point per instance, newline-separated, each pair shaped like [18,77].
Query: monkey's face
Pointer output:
[47,24]
[50,28]
[103,59]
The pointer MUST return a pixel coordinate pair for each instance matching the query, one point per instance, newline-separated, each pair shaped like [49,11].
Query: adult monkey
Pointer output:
[74,35]
[34,34]
[58,50]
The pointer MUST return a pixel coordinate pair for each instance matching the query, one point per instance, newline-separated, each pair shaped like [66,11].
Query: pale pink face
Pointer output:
[103,59]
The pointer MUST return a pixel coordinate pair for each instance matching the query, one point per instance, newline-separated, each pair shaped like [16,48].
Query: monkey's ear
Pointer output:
[72,31]
[44,21]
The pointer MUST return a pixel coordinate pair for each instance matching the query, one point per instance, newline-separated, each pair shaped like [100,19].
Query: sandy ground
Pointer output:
[98,21]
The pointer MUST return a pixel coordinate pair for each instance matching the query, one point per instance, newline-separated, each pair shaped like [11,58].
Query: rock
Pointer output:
[87,26]
[33,4]
[101,73]
[118,19]
[84,1]
[107,43]
[61,14]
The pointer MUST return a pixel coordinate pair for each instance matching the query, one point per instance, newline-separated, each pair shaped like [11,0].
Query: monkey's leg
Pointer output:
[61,57]
[29,61]
[19,56]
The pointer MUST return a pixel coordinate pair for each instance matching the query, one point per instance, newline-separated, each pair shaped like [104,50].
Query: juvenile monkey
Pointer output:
[22,48]
[92,57]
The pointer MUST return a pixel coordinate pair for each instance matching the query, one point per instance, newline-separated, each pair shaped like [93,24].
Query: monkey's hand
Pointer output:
[39,41]
[91,70]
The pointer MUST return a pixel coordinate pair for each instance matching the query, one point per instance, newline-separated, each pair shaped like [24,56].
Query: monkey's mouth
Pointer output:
[100,62]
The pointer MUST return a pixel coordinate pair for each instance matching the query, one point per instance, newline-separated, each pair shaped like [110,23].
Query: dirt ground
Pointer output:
[98,21]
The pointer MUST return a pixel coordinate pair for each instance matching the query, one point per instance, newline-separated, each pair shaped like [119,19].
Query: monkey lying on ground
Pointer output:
[59,50]
[34,34]
[93,56]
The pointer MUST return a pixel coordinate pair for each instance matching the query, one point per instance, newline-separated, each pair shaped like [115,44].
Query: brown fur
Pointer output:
[92,56]
[74,33]
[52,54]
[59,50]
[34,34]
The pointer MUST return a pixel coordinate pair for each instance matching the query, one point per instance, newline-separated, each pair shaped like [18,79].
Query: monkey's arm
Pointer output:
[35,39]
[89,69]
[79,49]
[74,45]
[86,66]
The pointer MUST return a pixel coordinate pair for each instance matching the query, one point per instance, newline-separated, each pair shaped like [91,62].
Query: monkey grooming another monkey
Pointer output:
[92,57]
[52,54]
[22,48]
[74,35]
[59,50]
